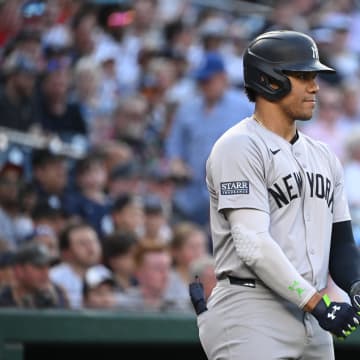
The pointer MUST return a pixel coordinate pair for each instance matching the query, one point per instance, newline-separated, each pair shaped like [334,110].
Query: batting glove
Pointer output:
[339,318]
[197,296]
[354,295]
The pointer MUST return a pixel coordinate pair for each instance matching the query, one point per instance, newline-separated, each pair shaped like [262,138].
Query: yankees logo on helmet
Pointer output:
[332,314]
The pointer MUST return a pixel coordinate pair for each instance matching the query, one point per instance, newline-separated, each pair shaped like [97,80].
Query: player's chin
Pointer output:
[305,116]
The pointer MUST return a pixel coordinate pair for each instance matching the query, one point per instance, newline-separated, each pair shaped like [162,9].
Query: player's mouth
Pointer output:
[310,101]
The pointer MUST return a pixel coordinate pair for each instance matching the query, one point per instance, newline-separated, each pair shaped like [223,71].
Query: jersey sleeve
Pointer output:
[236,167]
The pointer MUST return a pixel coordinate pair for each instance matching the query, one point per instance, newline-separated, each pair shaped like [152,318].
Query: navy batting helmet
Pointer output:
[271,54]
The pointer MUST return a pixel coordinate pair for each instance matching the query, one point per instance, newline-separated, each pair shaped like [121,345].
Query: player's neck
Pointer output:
[280,125]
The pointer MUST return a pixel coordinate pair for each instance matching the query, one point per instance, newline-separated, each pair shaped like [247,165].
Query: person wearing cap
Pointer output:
[197,124]
[125,177]
[46,235]
[99,288]
[18,107]
[31,286]
[50,177]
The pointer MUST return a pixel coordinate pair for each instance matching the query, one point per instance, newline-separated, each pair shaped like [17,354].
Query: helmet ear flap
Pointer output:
[272,87]
[269,82]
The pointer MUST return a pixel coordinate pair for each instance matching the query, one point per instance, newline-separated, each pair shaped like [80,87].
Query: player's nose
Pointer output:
[313,86]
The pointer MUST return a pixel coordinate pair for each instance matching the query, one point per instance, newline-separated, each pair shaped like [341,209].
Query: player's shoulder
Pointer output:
[239,136]
[239,139]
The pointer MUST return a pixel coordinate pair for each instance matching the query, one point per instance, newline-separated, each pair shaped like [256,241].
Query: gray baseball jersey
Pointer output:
[299,185]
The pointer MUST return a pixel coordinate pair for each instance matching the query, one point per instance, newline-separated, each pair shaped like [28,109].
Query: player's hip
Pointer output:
[258,323]
[249,298]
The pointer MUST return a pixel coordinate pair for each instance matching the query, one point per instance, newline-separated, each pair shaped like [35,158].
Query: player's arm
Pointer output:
[256,247]
[344,262]
[258,250]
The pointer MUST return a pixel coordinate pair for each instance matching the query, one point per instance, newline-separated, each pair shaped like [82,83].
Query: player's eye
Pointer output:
[302,75]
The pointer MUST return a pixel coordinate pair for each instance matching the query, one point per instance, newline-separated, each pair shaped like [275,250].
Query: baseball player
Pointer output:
[280,221]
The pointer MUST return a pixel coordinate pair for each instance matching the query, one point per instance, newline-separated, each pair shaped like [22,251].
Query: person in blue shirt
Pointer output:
[197,124]
[89,200]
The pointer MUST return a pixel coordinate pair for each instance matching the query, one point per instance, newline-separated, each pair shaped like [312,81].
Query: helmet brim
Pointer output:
[316,66]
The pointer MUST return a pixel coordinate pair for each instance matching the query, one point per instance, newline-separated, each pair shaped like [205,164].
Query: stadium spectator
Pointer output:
[17,101]
[157,229]
[66,66]
[189,242]
[99,288]
[127,214]
[58,115]
[45,235]
[10,180]
[10,20]
[88,199]
[153,265]
[197,125]
[83,26]
[31,286]
[43,214]
[79,250]
[50,176]
[125,178]
[119,256]
[95,105]
[129,124]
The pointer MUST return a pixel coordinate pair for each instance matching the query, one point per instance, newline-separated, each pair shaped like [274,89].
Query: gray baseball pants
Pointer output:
[245,323]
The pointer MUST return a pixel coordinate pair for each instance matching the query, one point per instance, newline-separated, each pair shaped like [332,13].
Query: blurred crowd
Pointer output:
[108,111]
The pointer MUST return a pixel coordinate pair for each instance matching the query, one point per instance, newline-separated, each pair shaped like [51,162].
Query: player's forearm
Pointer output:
[263,255]
[344,263]
[270,264]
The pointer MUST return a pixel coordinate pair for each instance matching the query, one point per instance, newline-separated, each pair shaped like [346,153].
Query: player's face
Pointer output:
[300,103]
